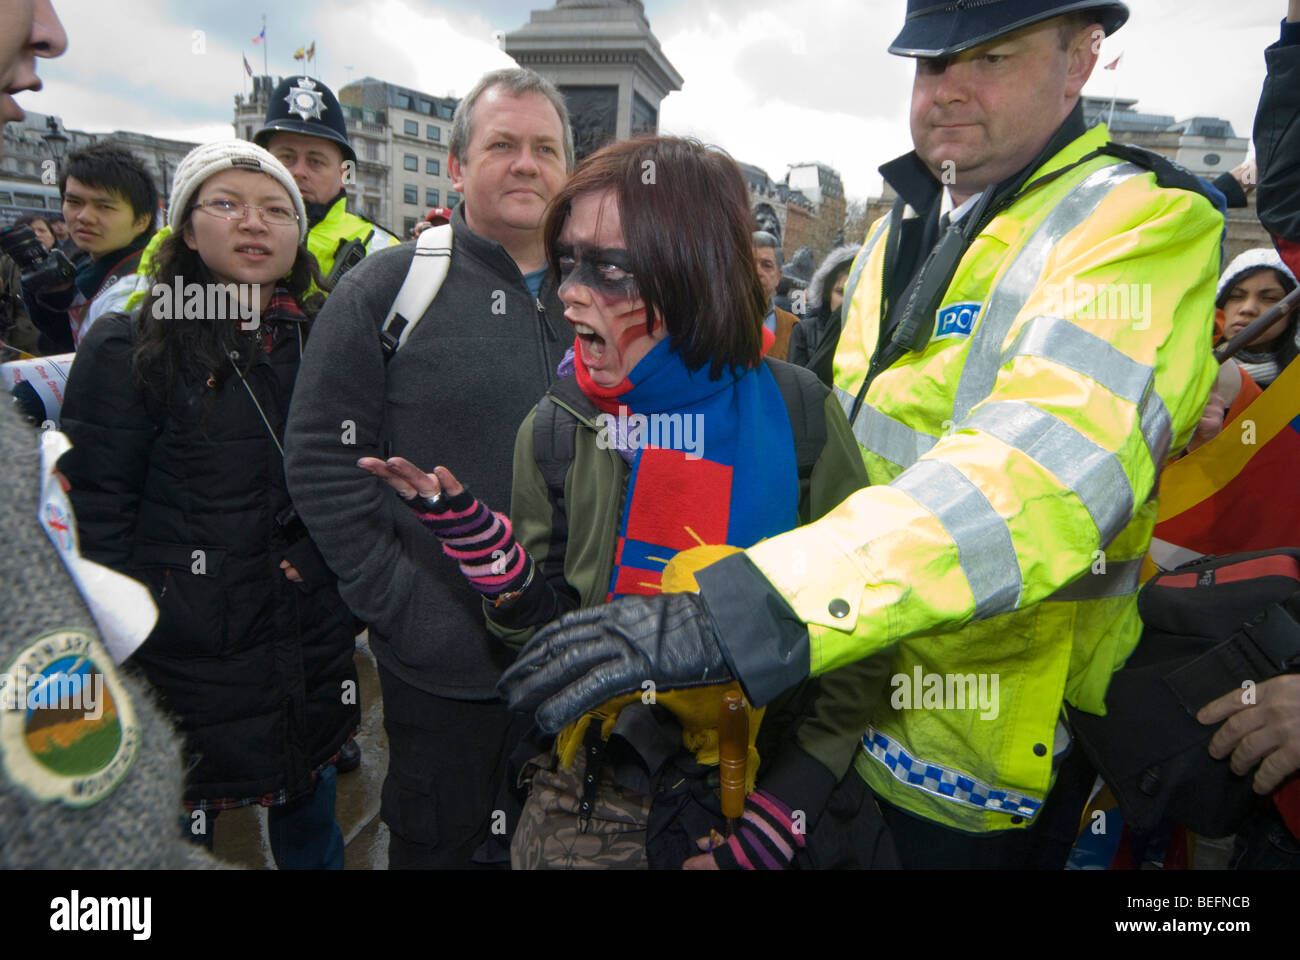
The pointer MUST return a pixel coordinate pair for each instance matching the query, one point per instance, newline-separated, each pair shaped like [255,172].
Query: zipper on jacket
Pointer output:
[548,333]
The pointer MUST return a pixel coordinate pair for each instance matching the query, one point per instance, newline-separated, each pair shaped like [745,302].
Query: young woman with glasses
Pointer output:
[175,414]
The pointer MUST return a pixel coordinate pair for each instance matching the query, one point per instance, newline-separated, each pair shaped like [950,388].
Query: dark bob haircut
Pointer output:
[686,227]
[107,166]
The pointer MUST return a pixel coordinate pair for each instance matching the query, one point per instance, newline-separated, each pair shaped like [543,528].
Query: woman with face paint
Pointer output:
[668,441]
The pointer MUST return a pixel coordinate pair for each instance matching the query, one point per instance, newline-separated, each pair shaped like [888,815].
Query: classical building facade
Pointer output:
[28,152]
[400,138]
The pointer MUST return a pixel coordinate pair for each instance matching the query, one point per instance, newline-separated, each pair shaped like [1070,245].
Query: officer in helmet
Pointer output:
[1025,338]
[305,131]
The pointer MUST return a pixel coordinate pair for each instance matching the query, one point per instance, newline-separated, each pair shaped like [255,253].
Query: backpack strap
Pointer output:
[428,270]
[805,403]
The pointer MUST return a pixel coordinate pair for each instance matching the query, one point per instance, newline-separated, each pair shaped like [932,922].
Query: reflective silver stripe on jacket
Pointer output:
[1066,343]
[883,435]
[1119,579]
[1090,471]
[984,548]
[851,287]
[1012,291]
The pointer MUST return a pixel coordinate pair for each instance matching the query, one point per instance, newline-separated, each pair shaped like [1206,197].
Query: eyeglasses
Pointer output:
[229,210]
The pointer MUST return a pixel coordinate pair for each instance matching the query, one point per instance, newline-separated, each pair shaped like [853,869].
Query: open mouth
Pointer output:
[253,250]
[593,344]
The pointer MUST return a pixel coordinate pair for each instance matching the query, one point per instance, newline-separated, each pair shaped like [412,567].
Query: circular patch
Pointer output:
[68,730]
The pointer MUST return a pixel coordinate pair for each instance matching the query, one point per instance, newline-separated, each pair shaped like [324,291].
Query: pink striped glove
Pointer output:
[482,542]
[765,837]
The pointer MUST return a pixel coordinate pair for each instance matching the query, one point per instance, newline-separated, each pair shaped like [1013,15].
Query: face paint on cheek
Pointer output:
[633,333]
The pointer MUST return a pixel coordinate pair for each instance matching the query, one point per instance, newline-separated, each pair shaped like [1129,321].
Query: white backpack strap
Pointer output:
[428,270]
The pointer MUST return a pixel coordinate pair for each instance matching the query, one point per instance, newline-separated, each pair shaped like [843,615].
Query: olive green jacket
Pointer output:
[838,708]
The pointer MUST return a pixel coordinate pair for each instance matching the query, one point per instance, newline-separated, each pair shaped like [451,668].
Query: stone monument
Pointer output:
[607,63]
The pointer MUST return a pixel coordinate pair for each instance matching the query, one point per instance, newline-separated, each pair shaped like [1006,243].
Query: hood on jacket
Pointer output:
[834,260]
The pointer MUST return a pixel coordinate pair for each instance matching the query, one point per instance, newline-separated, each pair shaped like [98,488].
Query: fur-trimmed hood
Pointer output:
[834,260]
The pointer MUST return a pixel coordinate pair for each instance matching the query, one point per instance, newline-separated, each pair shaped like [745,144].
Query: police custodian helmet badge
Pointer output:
[68,731]
[305,100]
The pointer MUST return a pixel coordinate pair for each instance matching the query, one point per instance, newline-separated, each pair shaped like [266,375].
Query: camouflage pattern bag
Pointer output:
[579,819]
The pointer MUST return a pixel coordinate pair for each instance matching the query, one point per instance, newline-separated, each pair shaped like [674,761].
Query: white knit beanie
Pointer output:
[209,158]
[1251,260]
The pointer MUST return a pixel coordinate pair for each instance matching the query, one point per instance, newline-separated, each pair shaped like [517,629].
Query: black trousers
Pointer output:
[923,844]
[445,762]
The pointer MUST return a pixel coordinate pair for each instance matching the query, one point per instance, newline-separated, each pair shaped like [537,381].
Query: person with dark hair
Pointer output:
[109,202]
[40,227]
[1013,426]
[813,341]
[1254,282]
[177,479]
[667,329]
[484,350]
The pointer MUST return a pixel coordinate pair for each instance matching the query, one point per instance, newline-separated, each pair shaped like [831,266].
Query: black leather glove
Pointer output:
[592,655]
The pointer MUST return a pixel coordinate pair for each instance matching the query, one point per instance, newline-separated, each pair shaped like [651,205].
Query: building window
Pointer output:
[248,131]
[410,162]
[430,198]
[432,132]
[372,150]
[412,128]
[408,226]
[445,111]
[1212,159]
[404,101]
[453,198]
[426,106]
[411,193]
[431,166]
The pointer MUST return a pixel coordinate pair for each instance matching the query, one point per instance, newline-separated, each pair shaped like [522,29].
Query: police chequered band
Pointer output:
[944,781]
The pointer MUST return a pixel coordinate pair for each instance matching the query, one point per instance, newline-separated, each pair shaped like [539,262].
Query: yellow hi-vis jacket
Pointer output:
[1014,460]
[338,225]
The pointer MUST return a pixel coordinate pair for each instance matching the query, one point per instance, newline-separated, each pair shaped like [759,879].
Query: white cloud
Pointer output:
[777,84]
[771,81]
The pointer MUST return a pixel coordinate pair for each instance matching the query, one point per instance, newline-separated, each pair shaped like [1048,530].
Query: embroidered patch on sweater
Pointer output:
[68,730]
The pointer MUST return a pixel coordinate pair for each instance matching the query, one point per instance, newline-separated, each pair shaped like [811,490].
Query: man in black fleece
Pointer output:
[481,356]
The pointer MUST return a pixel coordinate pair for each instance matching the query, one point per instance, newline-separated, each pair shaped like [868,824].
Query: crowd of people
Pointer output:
[584,480]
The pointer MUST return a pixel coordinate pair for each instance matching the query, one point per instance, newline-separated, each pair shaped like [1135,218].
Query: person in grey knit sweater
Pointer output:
[45,821]
[481,356]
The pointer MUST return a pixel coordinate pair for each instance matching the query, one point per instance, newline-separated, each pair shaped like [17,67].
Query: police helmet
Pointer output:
[306,106]
[943,28]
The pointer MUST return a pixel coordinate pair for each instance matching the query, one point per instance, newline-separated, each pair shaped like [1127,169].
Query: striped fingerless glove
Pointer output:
[765,837]
[482,542]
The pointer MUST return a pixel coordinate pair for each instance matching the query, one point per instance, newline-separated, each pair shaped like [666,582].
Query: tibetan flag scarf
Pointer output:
[712,461]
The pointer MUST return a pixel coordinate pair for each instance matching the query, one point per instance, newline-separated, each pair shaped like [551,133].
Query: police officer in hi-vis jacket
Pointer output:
[1026,336]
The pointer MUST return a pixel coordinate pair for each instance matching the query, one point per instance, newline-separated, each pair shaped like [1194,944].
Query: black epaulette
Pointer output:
[1168,173]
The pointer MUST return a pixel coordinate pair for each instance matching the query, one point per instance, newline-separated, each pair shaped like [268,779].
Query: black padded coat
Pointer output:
[256,671]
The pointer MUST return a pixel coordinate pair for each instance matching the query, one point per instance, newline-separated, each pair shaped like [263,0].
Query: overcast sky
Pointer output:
[773,82]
